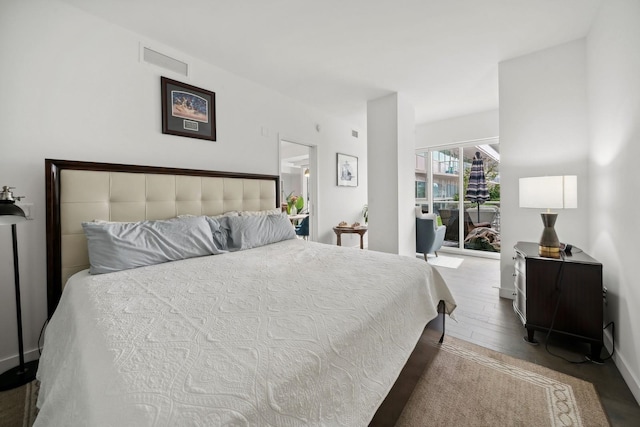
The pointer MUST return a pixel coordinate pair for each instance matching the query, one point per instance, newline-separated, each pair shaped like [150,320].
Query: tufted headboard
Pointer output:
[86,191]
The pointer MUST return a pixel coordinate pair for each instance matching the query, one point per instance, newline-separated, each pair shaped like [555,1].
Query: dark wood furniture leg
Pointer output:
[596,349]
[529,338]
[441,310]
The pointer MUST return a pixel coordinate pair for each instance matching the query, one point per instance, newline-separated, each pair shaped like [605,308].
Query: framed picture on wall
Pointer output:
[347,168]
[188,110]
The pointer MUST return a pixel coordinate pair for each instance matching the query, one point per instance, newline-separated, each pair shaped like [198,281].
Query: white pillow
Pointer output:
[419,213]
[432,216]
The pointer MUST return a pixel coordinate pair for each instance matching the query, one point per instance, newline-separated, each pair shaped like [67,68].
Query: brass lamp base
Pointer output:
[548,252]
[549,245]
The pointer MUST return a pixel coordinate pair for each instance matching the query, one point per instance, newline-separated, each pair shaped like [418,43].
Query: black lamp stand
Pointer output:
[549,245]
[25,372]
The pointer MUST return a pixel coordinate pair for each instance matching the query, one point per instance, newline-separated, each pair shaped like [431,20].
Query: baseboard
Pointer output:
[470,252]
[12,362]
[508,293]
[632,382]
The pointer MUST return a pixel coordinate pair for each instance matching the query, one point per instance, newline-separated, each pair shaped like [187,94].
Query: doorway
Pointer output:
[298,181]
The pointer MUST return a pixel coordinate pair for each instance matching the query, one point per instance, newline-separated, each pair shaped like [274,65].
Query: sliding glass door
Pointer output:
[442,187]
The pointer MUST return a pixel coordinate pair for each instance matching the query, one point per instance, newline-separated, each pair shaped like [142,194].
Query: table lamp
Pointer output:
[10,214]
[549,192]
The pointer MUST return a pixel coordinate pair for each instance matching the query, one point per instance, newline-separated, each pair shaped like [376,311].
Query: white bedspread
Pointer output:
[294,333]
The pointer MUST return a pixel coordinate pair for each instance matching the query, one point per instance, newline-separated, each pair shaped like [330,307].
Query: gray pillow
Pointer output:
[115,246]
[266,212]
[236,233]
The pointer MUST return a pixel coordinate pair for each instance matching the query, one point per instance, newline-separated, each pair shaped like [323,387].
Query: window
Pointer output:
[447,176]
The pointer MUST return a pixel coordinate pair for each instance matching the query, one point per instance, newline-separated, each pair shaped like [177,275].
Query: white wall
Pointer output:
[613,66]
[73,88]
[543,131]
[472,127]
[458,129]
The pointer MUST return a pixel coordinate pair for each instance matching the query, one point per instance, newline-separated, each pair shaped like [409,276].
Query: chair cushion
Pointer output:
[421,215]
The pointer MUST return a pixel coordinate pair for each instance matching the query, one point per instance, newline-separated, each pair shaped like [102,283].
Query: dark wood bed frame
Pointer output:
[390,409]
[52,177]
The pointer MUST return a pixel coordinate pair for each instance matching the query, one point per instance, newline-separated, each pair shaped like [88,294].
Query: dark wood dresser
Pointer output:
[573,284]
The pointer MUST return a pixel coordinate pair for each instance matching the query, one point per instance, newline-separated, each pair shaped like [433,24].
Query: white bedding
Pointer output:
[293,333]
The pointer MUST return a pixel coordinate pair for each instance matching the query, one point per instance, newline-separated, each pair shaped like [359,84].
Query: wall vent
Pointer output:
[161,60]
[354,133]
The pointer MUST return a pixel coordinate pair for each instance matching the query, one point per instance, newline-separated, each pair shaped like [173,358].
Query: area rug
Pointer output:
[461,385]
[467,385]
[18,406]
[444,261]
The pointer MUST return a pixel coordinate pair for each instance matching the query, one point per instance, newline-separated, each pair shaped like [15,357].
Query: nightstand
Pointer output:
[572,283]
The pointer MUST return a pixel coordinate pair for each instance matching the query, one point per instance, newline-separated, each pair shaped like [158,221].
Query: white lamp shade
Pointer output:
[549,192]
[8,220]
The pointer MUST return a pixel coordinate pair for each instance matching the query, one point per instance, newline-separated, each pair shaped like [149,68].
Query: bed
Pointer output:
[282,333]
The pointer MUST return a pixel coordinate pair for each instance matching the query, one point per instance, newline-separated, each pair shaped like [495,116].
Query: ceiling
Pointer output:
[442,55]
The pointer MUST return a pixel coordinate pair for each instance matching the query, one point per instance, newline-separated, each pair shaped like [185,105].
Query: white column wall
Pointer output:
[391,165]
[406,177]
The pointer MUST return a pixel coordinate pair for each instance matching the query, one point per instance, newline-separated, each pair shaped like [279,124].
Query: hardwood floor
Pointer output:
[483,318]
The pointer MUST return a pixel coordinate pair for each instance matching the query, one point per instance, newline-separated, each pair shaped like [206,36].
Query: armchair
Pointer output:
[429,236]
[302,229]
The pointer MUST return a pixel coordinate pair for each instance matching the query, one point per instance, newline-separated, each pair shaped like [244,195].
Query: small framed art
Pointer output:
[347,167]
[188,110]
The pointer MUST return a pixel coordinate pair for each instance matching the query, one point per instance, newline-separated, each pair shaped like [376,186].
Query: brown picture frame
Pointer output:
[187,110]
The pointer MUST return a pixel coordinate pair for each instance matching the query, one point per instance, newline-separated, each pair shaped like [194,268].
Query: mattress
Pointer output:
[289,334]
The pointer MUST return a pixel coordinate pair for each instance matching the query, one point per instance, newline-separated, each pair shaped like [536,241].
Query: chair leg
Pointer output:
[425,257]
[436,252]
